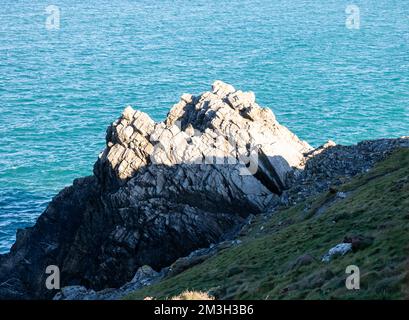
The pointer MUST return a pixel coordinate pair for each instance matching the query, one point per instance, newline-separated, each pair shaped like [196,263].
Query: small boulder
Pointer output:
[358,242]
[302,260]
[339,250]
[341,195]
[144,275]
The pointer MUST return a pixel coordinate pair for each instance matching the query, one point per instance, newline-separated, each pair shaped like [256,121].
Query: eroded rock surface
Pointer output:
[332,165]
[159,191]
[220,127]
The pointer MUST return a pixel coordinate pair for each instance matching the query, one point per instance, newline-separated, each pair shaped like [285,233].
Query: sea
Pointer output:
[329,69]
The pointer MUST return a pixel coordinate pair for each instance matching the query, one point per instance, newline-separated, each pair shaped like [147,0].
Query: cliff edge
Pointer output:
[165,193]
[159,191]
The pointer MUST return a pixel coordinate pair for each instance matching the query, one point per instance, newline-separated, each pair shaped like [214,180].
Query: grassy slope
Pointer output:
[377,205]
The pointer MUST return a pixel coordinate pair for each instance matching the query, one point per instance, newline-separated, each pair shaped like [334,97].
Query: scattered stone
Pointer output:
[145,276]
[341,195]
[161,191]
[332,165]
[339,250]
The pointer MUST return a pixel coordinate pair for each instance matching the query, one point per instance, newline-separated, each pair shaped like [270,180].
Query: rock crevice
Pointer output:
[162,190]
[159,191]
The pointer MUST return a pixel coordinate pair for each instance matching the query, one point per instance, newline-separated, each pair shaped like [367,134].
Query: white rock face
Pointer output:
[339,250]
[224,129]
[161,191]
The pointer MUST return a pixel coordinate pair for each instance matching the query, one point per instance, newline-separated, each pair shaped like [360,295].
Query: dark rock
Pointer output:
[144,276]
[331,165]
[163,190]
[359,242]
[159,192]
[302,260]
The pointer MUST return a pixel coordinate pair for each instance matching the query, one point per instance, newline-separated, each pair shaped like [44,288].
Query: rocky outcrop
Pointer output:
[159,191]
[331,165]
[218,128]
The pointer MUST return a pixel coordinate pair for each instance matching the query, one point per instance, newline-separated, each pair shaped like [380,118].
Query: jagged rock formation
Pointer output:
[163,190]
[221,127]
[159,191]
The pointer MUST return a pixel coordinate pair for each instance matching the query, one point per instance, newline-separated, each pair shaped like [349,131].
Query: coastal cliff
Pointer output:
[163,191]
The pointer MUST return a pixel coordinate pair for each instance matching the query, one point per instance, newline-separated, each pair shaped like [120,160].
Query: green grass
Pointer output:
[262,266]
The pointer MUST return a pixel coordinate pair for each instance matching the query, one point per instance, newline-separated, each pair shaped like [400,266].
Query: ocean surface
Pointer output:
[60,89]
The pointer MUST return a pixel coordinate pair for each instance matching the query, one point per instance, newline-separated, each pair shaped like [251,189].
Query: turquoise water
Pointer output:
[60,89]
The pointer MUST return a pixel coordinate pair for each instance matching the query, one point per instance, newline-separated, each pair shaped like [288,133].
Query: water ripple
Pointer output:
[59,90]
